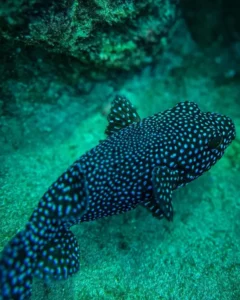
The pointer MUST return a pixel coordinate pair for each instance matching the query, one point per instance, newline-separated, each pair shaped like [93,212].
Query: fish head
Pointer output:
[221,133]
[201,139]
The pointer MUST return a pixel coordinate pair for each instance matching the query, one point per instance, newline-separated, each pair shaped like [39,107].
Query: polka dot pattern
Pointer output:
[122,114]
[120,171]
[46,248]
[141,162]
[164,181]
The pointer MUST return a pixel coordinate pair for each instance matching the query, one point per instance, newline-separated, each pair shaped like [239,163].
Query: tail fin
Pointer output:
[15,270]
[46,248]
[59,259]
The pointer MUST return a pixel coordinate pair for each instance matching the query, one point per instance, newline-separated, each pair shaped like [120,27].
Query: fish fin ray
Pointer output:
[59,259]
[122,114]
[164,181]
[153,208]
[16,269]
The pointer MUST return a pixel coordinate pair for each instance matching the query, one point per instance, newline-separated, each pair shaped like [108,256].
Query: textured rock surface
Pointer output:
[104,34]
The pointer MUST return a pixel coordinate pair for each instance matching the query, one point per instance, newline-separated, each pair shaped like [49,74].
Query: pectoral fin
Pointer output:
[164,180]
[154,208]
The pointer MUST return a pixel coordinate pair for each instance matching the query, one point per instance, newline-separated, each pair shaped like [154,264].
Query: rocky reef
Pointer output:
[101,34]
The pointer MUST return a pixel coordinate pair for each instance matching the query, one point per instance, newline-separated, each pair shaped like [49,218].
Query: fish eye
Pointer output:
[215,142]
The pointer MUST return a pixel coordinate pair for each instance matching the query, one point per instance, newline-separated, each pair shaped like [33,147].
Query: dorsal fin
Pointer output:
[121,115]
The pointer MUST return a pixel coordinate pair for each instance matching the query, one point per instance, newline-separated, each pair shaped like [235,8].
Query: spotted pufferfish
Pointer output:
[141,162]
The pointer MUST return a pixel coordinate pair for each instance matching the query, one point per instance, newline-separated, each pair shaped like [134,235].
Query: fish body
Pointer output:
[140,163]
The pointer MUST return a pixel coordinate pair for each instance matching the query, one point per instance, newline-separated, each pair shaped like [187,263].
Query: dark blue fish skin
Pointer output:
[141,162]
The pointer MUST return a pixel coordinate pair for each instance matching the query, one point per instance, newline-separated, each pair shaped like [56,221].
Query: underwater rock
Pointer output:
[102,34]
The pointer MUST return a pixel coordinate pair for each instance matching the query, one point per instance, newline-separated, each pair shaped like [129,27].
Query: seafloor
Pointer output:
[130,256]
[134,256]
